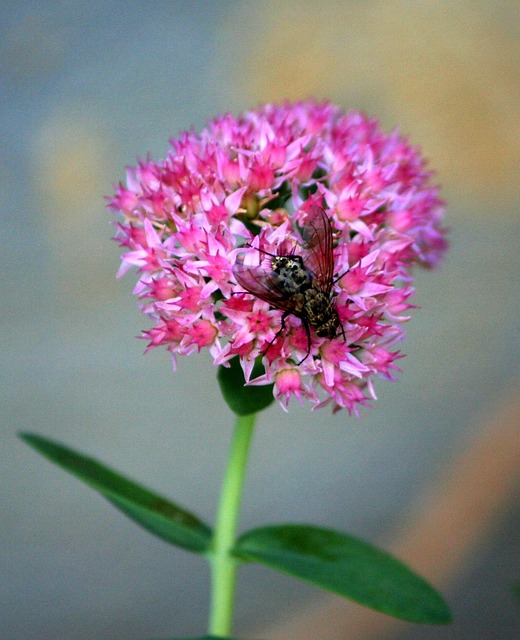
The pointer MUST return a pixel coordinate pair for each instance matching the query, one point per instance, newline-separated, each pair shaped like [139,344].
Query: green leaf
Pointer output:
[516,591]
[203,638]
[346,566]
[155,513]
[243,400]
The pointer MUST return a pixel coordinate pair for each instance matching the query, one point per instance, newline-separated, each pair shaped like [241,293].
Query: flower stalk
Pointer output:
[223,565]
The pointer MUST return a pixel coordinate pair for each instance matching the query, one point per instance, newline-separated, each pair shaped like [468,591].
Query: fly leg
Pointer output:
[282,328]
[308,334]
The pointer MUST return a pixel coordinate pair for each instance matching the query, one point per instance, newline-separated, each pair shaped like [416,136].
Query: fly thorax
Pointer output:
[290,276]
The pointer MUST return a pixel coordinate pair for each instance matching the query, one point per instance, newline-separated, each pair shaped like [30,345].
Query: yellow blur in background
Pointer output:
[445,72]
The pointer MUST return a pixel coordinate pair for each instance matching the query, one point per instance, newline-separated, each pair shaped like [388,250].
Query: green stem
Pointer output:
[223,565]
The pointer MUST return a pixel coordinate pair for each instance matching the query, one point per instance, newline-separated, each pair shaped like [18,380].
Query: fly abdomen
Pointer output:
[319,311]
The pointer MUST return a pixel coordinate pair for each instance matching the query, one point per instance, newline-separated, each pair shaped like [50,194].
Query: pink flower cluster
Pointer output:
[241,190]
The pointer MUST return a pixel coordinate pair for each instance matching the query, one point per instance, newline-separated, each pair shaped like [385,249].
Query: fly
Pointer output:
[300,285]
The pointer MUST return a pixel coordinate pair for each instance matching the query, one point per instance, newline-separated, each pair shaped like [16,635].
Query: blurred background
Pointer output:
[431,471]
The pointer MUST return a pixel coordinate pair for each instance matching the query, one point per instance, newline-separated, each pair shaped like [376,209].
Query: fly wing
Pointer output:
[319,255]
[259,282]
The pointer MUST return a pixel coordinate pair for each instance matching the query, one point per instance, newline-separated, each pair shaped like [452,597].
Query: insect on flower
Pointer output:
[299,284]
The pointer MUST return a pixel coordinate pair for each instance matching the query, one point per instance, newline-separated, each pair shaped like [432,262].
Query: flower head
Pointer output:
[233,204]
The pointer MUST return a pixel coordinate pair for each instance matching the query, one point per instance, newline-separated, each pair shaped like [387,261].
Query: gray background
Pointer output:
[87,87]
